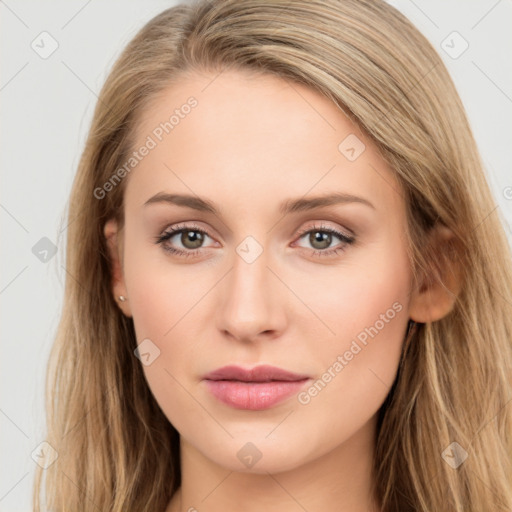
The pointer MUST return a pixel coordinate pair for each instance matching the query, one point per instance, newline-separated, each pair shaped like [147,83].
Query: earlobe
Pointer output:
[437,292]
[114,245]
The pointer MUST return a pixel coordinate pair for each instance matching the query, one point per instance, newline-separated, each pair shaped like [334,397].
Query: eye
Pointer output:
[321,237]
[191,239]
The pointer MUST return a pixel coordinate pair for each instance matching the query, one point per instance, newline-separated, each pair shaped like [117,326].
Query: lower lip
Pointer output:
[253,396]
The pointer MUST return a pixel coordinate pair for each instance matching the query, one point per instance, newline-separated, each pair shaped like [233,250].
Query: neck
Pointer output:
[340,480]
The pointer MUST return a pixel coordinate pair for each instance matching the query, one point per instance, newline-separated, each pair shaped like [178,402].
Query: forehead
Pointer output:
[253,139]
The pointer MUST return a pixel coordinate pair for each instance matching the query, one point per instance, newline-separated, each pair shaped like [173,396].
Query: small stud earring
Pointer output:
[122,298]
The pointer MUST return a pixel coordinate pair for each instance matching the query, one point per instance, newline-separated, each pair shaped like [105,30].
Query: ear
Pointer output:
[435,295]
[115,251]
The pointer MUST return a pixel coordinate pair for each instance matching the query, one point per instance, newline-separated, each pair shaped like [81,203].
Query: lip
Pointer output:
[262,373]
[255,388]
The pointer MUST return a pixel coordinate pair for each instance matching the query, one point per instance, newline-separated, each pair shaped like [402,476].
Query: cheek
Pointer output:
[365,307]
[160,292]
[161,307]
[353,295]
[163,297]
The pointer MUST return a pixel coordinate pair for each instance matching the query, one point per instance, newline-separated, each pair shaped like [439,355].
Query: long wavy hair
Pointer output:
[117,450]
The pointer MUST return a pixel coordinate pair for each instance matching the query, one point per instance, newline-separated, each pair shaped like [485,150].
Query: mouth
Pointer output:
[253,389]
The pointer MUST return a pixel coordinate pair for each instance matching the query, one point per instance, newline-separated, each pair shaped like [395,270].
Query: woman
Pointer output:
[287,287]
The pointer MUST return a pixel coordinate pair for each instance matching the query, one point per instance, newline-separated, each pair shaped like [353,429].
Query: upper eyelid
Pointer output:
[184,226]
[343,231]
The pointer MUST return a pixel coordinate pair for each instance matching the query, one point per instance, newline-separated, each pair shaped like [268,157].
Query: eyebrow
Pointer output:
[289,206]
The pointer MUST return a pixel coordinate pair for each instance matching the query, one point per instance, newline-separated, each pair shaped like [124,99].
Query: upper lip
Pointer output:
[263,373]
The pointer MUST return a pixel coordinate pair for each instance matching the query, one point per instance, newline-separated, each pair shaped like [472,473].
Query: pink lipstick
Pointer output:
[253,389]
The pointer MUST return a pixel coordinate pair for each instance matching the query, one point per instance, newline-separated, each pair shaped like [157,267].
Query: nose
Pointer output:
[251,301]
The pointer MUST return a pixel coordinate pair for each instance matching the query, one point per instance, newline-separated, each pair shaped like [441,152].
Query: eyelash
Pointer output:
[164,237]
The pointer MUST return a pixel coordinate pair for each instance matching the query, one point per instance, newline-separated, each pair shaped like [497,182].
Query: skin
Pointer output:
[252,142]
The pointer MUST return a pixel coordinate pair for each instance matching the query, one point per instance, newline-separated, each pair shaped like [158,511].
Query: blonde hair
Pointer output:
[117,450]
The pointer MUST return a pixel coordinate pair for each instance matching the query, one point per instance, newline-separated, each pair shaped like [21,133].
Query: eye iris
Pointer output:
[196,238]
[320,236]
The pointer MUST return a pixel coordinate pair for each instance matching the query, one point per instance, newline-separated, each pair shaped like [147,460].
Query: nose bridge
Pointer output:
[249,305]
[249,277]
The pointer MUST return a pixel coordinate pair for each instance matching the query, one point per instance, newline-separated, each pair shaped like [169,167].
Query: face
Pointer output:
[251,269]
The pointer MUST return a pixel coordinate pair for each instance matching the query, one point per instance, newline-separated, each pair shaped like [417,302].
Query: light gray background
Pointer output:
[46,107]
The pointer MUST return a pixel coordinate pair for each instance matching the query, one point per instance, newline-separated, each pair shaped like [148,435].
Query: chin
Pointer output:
[258,455]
